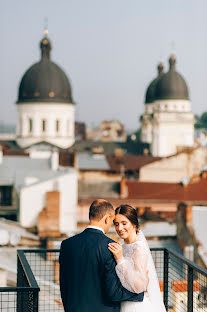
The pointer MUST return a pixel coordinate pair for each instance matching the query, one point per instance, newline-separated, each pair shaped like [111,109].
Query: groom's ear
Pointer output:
[107,219]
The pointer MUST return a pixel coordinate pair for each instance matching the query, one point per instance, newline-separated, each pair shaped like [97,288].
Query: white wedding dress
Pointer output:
[132,271]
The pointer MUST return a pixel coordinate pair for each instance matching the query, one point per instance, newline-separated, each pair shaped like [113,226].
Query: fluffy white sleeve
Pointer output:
[132,270]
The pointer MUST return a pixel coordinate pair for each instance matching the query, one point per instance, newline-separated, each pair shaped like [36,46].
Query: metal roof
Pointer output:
[18,170]
[92,161]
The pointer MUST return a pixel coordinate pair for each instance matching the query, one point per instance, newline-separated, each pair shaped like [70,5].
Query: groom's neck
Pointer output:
[96,223]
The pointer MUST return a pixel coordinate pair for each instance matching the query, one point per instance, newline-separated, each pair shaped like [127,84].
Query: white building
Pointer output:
[30,179]
[45,105]
[168,122]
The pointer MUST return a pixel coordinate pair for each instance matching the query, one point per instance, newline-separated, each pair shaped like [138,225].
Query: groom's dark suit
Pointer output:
[88,281]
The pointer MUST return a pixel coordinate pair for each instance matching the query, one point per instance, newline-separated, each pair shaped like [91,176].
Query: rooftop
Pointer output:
[22,171]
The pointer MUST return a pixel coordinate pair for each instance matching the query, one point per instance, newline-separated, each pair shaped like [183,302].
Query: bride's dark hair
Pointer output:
[130,213]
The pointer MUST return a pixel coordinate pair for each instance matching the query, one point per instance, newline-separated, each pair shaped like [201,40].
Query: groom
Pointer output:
[88,281]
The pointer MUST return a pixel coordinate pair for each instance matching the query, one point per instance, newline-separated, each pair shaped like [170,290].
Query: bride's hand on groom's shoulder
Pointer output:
[116,249]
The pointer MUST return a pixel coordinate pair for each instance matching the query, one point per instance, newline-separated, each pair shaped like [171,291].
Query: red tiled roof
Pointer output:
[130,162]
[182,285]
[168,191]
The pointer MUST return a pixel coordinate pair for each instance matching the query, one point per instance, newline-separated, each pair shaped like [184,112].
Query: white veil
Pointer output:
[153,288]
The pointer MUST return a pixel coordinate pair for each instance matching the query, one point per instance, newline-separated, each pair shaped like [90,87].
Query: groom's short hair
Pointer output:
[99,208]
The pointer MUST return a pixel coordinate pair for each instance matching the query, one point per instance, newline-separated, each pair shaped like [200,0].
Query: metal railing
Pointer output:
[23,297]
[183,283]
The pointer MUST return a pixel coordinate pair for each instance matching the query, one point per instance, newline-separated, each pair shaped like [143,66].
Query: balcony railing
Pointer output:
[182,282]
[23,297]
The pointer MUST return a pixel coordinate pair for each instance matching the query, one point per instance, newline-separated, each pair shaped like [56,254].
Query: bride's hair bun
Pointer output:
[130,213]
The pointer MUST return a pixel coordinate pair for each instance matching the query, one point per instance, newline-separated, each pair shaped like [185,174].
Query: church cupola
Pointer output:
[45,104]
[45,81]
[150,93]
[172,85]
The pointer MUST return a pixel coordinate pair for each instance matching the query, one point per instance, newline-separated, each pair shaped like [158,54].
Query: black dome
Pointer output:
[45,81]
[171,85]
[150,93]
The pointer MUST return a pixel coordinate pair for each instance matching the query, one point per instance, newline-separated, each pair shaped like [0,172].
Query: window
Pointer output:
[5,195]
[57,125]
[43,125]
[30,125]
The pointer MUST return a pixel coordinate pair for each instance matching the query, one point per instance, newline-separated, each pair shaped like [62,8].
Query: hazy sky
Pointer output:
[108,48]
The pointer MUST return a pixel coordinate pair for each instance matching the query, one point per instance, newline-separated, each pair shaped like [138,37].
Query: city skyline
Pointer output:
[109,51]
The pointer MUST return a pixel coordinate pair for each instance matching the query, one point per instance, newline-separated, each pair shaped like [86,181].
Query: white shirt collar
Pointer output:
[95,227]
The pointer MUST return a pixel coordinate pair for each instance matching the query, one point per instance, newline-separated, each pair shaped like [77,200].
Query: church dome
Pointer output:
[45,81]
[172,85]
[150,93]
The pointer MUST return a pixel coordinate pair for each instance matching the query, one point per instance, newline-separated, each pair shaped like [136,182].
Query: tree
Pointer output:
[201,121]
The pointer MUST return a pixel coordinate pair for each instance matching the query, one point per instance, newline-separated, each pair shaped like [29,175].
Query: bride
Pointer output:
[135,267]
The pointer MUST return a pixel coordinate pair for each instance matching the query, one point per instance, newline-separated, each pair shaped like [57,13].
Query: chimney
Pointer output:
[188,214]
[146,152]
[123,188]
[48,219]
[118,152]
[54,159]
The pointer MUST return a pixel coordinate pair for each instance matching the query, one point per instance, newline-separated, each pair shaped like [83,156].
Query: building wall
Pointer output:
[172,126]
[168,124]
[174,168]
[30,124]
[186,235]
[32,199]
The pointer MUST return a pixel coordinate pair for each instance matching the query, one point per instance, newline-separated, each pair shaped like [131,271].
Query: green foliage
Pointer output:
[201,121]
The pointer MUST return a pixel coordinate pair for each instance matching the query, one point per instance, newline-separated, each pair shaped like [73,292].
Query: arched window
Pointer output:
[57,125]
[30,125]
[43,125]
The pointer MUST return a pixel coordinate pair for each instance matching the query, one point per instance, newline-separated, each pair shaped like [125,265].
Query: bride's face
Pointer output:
[123,226]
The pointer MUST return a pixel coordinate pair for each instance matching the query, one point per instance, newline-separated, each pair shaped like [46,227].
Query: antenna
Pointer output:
[161,56]
[46,26]
[173,47]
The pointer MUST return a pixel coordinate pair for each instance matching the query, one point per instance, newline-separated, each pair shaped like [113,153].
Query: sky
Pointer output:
[109,49]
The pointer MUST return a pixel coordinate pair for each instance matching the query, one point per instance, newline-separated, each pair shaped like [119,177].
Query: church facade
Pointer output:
[45,104]
[168,122]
